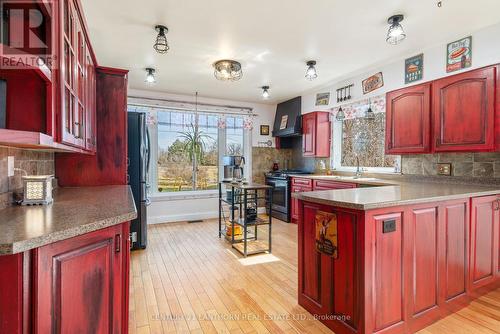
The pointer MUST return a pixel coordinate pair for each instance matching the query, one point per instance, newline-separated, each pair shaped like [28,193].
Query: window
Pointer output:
[360,138]
[189,145]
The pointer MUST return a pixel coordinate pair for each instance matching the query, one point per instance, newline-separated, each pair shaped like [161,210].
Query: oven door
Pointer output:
[281,196]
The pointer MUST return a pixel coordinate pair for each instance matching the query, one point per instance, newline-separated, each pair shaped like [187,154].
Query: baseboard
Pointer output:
[190,216]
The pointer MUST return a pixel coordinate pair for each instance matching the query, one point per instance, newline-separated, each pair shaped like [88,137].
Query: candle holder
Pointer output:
[37,190]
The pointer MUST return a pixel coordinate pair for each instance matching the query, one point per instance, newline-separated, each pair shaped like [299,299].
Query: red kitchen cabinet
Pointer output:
[452,114]
[408,120]
[464,111]
[80,283]
[484,240]
[331,185]
[298,185]
[316,134]
[77,98]
[315,274]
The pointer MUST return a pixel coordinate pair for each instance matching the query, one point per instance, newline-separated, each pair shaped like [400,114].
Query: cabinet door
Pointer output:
[90,142]
[322,135]
[295,202]
[315,269]
[464,111]
[309,134]
[408,120]
[484,240]
[81,283]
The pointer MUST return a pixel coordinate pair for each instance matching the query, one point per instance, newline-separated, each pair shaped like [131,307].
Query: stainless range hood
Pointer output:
[288,120]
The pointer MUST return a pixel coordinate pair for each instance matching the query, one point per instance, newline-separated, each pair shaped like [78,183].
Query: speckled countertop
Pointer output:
[392,193]
[75,211]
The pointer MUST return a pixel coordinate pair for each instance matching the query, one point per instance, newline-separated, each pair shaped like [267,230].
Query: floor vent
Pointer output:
[195,221]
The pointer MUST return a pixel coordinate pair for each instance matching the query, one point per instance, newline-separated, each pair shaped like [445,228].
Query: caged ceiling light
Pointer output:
[227,70]
[150,76]
[265,92]
[161,44]
[311,73]
[396,33]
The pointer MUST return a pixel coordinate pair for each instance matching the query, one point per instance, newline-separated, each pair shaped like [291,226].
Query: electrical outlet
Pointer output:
[10,166]
[444,169]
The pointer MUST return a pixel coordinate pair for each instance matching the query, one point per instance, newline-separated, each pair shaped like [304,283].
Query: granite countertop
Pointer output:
[75,211]
[397,193]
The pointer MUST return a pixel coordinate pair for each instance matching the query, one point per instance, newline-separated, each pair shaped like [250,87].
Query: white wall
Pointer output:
[203,206]
[485,51]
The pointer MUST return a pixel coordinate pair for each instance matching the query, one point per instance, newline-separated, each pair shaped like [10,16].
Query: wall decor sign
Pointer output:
[459,54]
[326,233]
[414,68]
[264,130]
[322,99]
[374,82]
[284,122]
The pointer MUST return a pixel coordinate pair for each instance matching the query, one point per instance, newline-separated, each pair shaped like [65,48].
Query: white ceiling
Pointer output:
[271,38]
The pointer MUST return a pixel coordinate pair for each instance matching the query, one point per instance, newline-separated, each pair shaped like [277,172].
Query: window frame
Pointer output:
[221,141]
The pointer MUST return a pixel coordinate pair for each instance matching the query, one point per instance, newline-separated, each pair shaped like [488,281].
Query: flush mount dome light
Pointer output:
[396,33]
[161,44]
[265,92]
[311,73]
[227,70]
[150,76]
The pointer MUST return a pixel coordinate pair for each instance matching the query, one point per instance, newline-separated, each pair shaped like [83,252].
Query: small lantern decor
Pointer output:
[37,190]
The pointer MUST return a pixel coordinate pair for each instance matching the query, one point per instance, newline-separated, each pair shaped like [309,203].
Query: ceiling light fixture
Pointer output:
[311,73]
[369,113]
[265,92]
[227,70]
[150,76]
[161,44]
[340,115]
[396,33]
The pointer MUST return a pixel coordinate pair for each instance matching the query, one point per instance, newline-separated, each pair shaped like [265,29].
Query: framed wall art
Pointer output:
[459,54]
[414,68]
[374,82]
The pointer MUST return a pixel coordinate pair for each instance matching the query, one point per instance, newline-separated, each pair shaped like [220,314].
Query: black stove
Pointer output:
[280,181]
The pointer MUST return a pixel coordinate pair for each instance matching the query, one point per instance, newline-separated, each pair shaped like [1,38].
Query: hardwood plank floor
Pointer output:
[190,281]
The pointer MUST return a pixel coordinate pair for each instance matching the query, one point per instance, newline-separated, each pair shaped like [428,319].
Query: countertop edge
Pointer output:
[26,245]
[373,206]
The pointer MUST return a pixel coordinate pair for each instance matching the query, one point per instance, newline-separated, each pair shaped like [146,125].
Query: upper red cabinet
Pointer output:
[464,111]
[316,134]
[408,120]
[77,97]
[452,114]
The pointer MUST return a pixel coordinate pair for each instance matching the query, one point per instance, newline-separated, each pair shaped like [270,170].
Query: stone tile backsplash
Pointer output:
[33,162]
[263,159]
[477,165]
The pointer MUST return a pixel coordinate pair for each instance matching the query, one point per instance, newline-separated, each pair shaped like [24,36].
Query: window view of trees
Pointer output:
[187,151]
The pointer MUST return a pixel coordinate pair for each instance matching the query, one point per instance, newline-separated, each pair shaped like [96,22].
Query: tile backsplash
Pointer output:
[33,162]
[263,159]
[476,165]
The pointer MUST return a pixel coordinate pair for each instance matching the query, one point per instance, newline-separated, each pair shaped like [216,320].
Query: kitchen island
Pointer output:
[404,255]
[65,266]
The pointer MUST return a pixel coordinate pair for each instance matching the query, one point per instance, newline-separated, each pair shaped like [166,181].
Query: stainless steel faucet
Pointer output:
[359,173]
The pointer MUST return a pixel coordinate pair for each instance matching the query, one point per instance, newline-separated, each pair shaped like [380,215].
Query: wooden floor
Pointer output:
[189,281]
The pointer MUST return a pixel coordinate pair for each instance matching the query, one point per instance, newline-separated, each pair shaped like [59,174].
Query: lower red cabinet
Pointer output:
[80,284]
[484,238]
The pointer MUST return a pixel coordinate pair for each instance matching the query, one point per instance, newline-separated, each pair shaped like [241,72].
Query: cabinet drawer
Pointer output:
[328,185]
[301,181]
[299,189]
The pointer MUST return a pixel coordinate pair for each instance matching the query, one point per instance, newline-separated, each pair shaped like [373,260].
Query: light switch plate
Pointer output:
[444,169]
[10,166]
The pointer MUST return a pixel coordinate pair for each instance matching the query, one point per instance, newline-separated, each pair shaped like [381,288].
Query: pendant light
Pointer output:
[311,73]
[150,76]
[227,70]
[369,113]
[340,115]
[161,44]
[265,92]
[396,33]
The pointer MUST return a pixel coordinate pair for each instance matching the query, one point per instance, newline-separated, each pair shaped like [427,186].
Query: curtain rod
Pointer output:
[247,109]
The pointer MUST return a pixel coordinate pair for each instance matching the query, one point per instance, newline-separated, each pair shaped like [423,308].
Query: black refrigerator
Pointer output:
[139,156]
